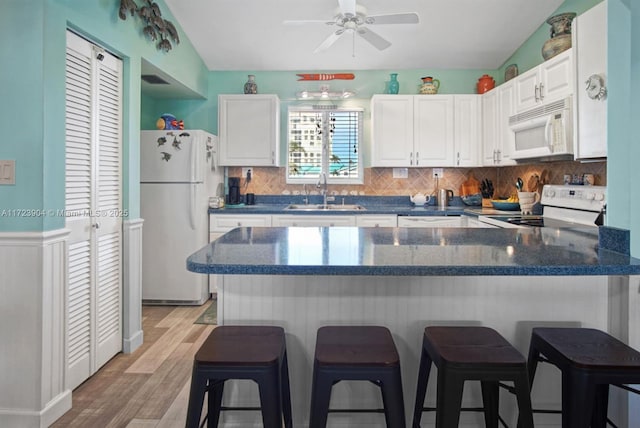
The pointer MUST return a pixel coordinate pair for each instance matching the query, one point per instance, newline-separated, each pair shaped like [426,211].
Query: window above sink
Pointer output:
[324,141]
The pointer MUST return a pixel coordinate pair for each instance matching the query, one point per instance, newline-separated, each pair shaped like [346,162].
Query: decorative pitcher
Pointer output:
[429,85]
[485,84]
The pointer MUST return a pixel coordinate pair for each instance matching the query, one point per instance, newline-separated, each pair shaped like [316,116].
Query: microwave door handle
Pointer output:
[547,137]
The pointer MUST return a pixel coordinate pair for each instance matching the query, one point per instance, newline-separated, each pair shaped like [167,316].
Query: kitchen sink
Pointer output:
[328,207]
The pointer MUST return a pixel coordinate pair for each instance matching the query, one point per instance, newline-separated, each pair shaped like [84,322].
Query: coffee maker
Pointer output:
[234,197]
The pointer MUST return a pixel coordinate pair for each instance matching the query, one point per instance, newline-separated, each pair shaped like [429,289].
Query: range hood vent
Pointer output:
[154,79]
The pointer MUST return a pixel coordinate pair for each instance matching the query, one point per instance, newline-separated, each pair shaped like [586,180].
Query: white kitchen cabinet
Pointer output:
[467,131]
[249,130]
[498,141]
[221,224]
[506,142]
[392,130]
[550,81]
[294,220]
[430,221]
[433,129]
[497,138]
[377,220]
[490,146]
[590,46]
[418,130]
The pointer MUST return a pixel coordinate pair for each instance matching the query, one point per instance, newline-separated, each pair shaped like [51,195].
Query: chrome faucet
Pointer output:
[306,194]
[322,183]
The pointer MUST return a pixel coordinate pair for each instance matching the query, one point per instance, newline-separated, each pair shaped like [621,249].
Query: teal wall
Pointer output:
[529,54]
[32,72]
[36,96]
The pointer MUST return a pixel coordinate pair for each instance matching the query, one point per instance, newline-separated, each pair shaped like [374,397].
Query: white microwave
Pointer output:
[544,132]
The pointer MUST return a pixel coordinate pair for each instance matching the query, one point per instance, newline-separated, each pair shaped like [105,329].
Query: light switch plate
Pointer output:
[400,172]
[438,172]
[7,172]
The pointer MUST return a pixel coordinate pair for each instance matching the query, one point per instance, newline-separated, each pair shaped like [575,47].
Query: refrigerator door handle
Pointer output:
[192,205]
[195,165]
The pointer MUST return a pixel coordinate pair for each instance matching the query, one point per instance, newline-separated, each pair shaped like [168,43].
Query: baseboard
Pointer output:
[132,343]
[16,418]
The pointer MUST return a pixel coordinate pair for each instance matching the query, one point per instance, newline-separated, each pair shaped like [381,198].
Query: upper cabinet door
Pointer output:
[528,89]
[556,77]
[433,130]
[249,130]
[550,81]
[392,130]
[506,138]
[467,135]
[490,131]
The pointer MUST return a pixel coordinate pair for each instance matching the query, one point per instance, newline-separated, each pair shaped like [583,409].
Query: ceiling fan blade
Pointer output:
[348,7]
[373,38]
[333,37]
[393,18]
[308,21]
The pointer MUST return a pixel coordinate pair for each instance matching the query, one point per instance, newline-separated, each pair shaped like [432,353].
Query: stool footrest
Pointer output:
[240,408]
[356,410]
[627,388]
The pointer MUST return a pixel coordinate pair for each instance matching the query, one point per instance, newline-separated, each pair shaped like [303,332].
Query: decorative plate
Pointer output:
[505,206]
[510,72]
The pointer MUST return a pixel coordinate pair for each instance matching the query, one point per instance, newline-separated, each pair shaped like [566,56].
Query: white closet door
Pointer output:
[93,208]
[109,209]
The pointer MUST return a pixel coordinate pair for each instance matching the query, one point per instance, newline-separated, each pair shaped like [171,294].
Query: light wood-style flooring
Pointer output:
[150,387]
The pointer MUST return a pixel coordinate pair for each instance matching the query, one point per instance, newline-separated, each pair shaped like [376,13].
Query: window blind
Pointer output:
[324,141]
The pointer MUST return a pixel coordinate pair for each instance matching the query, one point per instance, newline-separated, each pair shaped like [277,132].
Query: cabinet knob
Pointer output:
[239,224]
[96,225]
[541,96]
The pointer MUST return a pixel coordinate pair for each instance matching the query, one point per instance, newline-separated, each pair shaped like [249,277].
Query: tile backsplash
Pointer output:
[380,181]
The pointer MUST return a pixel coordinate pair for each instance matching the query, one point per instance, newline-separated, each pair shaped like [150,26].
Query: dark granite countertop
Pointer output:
[398,205]
[410,252]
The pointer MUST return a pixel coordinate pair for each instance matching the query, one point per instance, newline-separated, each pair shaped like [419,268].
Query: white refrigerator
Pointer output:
[178,173]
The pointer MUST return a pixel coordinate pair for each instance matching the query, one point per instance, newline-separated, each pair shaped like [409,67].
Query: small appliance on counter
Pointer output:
[444,197]
[234,197]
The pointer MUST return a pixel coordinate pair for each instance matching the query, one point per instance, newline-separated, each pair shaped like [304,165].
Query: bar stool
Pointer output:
[356,353]
[470,353]
[241,352]
[590,360]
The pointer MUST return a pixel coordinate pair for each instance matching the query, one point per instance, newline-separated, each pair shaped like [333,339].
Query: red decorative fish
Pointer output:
[322,76]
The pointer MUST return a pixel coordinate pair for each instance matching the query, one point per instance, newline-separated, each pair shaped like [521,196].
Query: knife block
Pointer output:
[486,203]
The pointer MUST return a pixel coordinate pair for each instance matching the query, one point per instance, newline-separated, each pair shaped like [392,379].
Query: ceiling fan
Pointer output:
[352,17]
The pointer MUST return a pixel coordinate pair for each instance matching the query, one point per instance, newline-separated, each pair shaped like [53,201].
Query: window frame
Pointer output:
[325,162]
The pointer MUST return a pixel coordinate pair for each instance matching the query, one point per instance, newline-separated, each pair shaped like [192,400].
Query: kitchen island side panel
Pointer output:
[510,304]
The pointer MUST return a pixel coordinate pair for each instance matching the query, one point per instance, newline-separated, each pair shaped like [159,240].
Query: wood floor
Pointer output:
[150,387]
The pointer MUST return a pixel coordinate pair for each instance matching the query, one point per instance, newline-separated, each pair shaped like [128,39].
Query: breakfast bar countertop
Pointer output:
[410,252]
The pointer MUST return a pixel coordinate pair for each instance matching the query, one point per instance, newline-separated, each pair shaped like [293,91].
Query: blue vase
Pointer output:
[394,85]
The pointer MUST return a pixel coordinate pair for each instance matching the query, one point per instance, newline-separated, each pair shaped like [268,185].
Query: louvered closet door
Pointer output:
[93,204]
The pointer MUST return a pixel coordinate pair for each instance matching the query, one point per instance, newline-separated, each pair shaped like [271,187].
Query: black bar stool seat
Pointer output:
[590,360]
[241,352]
[356,353]
[470,353]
